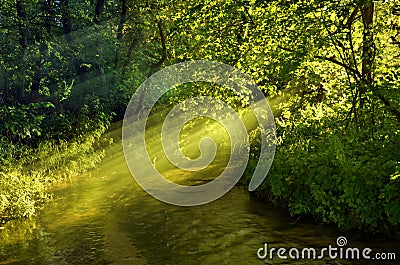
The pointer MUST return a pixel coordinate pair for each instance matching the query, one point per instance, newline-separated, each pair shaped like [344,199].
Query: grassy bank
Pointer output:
[25,179]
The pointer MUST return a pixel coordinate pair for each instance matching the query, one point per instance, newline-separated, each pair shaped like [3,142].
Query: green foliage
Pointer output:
[60,88]
[333,86]
[24,182]
[339,176]
[23,122]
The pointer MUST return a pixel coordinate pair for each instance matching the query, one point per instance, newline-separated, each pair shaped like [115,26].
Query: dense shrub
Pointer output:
[27,167]
[349,179]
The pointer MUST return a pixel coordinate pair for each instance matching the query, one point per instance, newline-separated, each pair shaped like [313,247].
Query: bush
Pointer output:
[348,179]
[27,171]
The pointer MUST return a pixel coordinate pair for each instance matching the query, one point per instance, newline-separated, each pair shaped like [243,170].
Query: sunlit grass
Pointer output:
[24,184]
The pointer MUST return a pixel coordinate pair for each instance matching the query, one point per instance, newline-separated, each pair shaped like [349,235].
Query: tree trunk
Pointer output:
[133,46]
[368,47]
[48,7]
[5,84]
[98,11]
[37,77]
[80,71]
[23,42]
[155,67]
[120,32]
[66,20]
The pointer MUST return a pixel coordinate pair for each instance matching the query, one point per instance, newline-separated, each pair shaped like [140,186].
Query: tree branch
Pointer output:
[333,60]
[248,14]
[352,17]
[330,59]
[157,65]
[393,110]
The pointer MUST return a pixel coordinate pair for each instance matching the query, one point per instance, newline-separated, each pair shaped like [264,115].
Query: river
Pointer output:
[104,217]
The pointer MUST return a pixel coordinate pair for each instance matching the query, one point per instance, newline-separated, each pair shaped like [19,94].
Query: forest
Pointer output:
[330,71]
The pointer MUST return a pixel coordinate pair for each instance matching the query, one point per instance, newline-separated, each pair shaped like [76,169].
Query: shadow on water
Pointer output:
[103,217]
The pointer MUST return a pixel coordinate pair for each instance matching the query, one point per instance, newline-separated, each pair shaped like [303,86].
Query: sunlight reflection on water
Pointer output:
[103,217]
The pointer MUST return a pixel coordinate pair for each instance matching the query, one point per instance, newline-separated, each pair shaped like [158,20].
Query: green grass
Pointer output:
[25,181]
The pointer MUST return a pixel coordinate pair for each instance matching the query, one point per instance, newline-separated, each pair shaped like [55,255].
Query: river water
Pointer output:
[103,217]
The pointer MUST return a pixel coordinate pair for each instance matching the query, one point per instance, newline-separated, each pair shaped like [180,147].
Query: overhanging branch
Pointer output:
[333,60]
[393,110]
[330,59]
[158,64]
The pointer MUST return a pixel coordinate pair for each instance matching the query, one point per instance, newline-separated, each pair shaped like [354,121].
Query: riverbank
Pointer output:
[24,182]
[348,181]
[300,180]
[104,217]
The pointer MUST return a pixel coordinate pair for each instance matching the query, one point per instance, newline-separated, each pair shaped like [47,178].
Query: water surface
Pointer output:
[103,217]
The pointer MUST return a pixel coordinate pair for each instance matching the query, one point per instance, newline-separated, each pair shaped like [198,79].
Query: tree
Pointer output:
[23,42]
